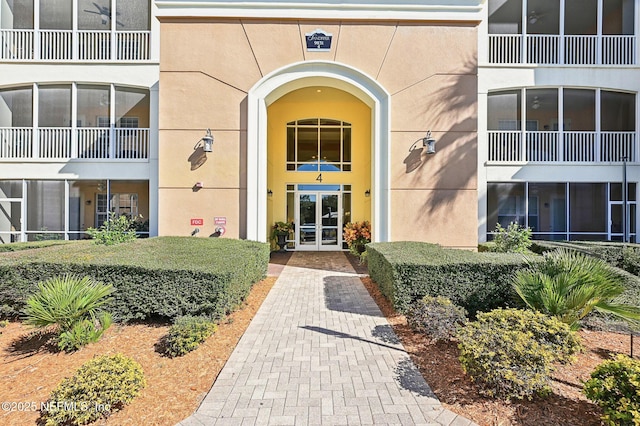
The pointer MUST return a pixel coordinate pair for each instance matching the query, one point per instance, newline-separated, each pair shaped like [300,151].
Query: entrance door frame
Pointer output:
[317,73]
[318,246]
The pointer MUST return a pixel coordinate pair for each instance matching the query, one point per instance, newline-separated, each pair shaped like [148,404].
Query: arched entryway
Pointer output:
[316,75]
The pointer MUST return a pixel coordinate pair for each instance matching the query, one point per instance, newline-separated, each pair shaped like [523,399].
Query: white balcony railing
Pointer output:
[17,143]
[559,147]
[67,45]
[562,49]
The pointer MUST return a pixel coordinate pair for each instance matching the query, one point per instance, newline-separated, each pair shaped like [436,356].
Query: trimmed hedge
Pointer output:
[408,271]
[163,277]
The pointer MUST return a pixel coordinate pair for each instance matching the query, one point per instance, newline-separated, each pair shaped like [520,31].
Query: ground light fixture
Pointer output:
[430,143]
[206,142]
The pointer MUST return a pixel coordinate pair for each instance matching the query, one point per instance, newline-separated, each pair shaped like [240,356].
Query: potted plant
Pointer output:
[357,235]
[279,232]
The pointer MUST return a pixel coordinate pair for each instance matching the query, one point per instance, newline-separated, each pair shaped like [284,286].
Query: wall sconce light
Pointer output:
[367,193]
[430,143]
[269,193]
[207,142]
[199,185]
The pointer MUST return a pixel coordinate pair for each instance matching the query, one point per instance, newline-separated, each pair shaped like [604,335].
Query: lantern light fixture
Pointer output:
[429,143]
[206,142]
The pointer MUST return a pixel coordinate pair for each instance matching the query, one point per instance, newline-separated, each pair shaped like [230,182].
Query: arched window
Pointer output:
[318,144]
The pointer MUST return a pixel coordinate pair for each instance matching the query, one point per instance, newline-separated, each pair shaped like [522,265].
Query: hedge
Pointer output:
[408,271]
[164,277]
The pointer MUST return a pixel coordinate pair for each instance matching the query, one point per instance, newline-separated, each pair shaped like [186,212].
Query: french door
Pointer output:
[318,220]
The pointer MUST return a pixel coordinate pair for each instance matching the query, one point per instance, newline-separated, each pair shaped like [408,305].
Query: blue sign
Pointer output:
[319,40]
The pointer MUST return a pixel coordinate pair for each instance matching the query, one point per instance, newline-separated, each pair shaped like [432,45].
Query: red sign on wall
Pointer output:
[197,222]
[220,220]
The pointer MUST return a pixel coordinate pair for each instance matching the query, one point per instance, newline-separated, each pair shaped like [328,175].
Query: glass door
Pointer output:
[319,221]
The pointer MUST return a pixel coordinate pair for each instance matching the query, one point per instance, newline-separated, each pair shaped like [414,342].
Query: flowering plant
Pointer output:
[356,235]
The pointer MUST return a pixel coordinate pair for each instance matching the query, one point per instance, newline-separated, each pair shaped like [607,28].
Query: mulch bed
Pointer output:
[31,368]
[438,363]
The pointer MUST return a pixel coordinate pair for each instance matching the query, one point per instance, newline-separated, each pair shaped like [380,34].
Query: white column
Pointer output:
[112,121]
[523,126]
[23,213]
[74,121]
[114,27]
[561,41]
[598,127]
[74,27]
[35,136]
[561,124]
[599,33]
[525,21]
[483,151]
[36,29]
[66,209]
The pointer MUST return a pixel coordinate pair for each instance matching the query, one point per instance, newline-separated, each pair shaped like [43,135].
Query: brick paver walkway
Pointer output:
[319,351]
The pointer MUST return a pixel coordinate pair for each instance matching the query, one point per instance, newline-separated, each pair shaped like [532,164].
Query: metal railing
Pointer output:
[562,49]
[559,147]
[67,45]
[67,143]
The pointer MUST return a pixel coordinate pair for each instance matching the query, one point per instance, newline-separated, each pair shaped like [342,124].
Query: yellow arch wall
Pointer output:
[322,102]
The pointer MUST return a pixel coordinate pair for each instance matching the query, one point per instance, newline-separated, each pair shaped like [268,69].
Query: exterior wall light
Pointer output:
[207,142]
[367,193]
[430,143]
[269,192]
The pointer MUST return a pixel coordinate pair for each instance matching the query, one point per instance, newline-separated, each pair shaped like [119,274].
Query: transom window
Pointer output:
[319,144]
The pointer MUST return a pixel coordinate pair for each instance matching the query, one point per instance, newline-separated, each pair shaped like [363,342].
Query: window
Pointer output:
[318,144]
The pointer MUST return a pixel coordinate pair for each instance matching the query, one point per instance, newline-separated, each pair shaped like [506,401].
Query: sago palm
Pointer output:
[570,285]
[65,301]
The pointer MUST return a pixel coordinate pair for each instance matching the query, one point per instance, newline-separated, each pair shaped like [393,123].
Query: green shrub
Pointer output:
[512,239]
[615,386]
[436,317]
[73,304]
[187,333]
[570,285]
[510,353]
[84,332]
[115,230]
[408,271]
[166,278]
[99,387]
[4,323]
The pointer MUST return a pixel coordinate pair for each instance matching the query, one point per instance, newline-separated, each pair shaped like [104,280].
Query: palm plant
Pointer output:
[570,285]
[74,305]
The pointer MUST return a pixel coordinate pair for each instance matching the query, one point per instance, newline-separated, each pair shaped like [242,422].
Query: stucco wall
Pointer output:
[208,66]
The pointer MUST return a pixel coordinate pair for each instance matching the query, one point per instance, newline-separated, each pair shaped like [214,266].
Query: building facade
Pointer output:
[222,118]
[558,118]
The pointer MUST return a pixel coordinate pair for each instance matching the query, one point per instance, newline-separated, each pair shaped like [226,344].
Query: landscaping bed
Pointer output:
[31,366]
[439,364]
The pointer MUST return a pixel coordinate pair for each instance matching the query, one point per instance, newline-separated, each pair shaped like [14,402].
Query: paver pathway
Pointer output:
[319,351]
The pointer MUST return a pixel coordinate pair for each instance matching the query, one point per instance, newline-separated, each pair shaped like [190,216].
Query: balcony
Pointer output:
[564,32]
[561,147]
[562,50]
[55,143]
[68,45]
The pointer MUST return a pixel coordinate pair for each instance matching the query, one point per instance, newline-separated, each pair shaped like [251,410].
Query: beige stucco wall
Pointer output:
[207,68]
